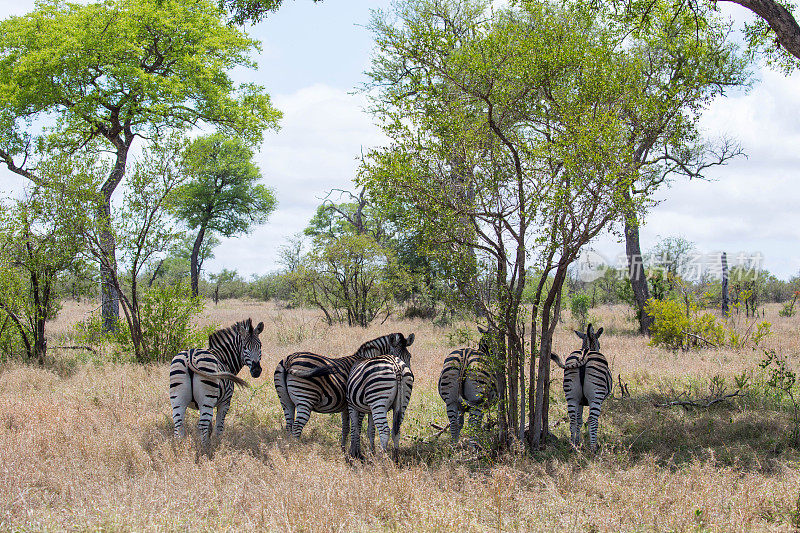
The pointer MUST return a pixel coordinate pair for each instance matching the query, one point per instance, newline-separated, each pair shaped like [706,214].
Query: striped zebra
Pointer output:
[467,384]
[203,378]
[375,386]
[308,382]
[587,381]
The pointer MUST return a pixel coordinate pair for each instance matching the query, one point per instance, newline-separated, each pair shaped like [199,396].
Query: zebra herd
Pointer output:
[377,378]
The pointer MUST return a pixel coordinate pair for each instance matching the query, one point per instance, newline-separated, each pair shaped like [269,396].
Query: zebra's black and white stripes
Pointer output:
[203,378]
[587,382]
[308,382]
[467,384]
[375,386]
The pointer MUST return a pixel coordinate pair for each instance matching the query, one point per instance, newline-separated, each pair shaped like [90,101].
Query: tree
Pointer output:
[223,196]
[351,271]
[250,10]
[40,238]
[507,140]
[144,232]
[107,73]
[683,62]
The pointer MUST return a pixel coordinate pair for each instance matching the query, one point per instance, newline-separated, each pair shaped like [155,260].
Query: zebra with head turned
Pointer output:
[587,381]
[308,382]
[467,383]
[203,378]
[375,386]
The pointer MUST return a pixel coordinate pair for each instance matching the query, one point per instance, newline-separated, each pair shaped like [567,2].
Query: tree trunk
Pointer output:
[540,426]
[636,273]
[108,291]
[195,265]
[725,306]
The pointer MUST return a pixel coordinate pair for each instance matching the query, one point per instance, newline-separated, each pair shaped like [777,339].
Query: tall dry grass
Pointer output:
[89,445]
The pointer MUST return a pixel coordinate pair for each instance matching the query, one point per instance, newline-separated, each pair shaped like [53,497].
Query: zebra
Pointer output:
[308,382]
[374,386]
[203,378]
[467,384]
[587,381]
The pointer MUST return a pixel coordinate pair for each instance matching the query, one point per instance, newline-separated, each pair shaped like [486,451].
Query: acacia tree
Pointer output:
[530,99]
[682,63]
[113,71]
[222,196]
[40,238]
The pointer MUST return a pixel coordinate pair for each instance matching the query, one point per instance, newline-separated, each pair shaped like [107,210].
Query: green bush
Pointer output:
[579,304]
[165,313]
[669,323]
[674,327]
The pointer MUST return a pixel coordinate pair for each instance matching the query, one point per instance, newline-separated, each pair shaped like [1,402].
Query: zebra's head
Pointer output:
[399,346]
[590,339]
[251,345]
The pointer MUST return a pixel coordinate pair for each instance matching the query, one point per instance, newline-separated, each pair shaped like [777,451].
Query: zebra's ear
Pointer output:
[599,332]
[579,334]
[410,340]
[259,328]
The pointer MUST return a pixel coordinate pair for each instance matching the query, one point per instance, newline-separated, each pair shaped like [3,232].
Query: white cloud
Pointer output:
[322,135]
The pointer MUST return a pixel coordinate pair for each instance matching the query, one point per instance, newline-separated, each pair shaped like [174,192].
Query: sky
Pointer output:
[312,61]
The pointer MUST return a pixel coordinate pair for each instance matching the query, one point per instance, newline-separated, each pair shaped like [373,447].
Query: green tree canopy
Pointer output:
[111,71]
[223,196]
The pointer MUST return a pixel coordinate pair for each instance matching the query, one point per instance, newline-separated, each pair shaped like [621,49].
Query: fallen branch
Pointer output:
[89,348]
[440,429]
[700,403]
[698,337]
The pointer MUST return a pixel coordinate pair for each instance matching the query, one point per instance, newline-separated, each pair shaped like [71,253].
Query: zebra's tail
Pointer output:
[572,364]
[555,358]
[217,375]
[312,372]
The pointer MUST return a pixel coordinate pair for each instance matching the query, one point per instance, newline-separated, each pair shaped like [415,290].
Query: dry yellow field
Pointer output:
[87,445]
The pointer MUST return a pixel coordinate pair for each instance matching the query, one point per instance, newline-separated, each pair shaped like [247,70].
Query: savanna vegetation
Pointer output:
[516,134]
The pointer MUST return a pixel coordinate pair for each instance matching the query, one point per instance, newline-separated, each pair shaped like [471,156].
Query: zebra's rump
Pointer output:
[327,391]
[462,365]
[377,380]
[592,374]
[181,375]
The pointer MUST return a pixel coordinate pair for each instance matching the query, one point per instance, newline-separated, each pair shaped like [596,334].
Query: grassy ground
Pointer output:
[87,444]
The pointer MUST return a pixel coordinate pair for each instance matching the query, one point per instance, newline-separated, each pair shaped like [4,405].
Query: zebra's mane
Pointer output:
[217,339]
[374,347]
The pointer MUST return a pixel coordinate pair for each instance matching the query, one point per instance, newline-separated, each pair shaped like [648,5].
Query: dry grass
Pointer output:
[89,446]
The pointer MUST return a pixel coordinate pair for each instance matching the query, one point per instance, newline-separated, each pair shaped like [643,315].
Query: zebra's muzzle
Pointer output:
[255,370]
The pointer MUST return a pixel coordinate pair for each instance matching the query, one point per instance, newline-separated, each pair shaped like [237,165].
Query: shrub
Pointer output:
[165,314]
[579,305]
[678,325]
[669,323]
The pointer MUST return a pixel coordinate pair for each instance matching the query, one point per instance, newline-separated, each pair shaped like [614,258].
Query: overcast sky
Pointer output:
[314,55]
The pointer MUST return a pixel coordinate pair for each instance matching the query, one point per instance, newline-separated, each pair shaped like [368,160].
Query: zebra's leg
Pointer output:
[345,428]
[379,413]
[180,392]
[222,411]
[302,414]
[594,414]
[475,418]
[356,418]
[454,414]
[576,423]
[204,424]
[180,397]
[371,432]
[283,396]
